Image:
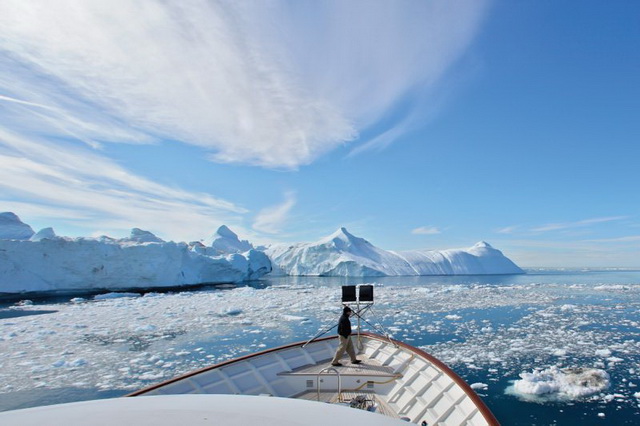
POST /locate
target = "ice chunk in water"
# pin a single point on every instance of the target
(603, 353)
(479, 386)
(566, 383)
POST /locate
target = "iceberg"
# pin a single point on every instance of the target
(44, 234)
(343, 254)
(45, 262)
(12, 228)
(225, 241)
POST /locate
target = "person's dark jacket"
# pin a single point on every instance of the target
(344, 326)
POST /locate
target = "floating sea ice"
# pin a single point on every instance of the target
(566, 383)
(603, 353)
(69, 364)
(77, 363)
(479, 385)
(568, 307)
(153, 294)
(611, 287)
(294, 318)
(143, 328)
(151, 376)
(107, 296)
(453, 317)
(610, 397)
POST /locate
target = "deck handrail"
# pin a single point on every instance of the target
(318, 380)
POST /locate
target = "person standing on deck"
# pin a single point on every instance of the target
(344, 334)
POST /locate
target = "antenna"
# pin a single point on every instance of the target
(358, 294)
(359, 298)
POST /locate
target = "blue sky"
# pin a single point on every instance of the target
(416, 125)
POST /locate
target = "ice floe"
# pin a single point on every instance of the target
(561, 383)
(479, 386)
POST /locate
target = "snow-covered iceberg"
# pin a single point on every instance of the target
(43, 261)
(343, 254)
(46, 262)
(12, 228)
(225, 241)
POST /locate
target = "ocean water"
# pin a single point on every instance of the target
(491, 330)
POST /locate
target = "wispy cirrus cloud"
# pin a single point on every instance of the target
(268, 83)
(274, 84)
(84, 189)
(625, 239)
(426, 230)
(508, 229)
(272, 219)
(577, 224)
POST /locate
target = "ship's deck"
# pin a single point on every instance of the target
(368, 367)
(379, 405)
(368, 371)
(394, 379)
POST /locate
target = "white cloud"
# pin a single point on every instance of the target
(577, 224)
(272, 219)
(426, 230)
(274, 84)
(83, 189)
(507, 229)
(268, 83)
(627, 239)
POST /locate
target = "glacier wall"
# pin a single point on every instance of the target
(45, 262)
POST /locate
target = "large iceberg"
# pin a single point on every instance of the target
(343, 254)
(46, 262)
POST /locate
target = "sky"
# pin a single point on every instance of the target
(414, 124)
